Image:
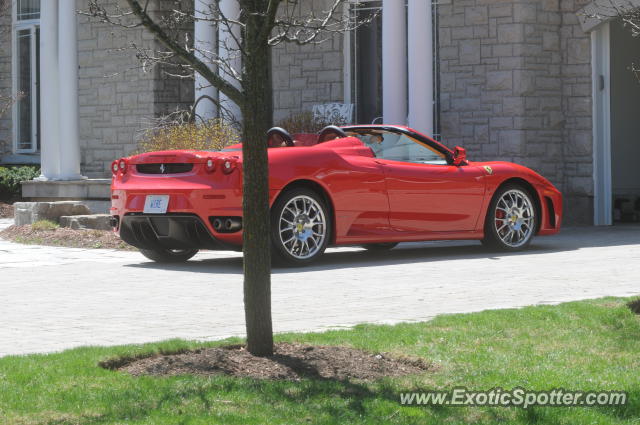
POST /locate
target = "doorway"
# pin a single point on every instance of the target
(625, 124)
(616, 124)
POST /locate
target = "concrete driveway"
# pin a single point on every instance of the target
(57, 298)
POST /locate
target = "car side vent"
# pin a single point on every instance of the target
(172, 168)
(552, 212)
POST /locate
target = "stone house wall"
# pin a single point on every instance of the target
(118, 98)
(115, 96)
(516, 85)
(577, 109)
(307, 75)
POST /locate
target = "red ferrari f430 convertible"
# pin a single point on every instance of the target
(373, 186)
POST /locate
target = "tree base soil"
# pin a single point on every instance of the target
(289, 362)
(71, 238)
(6, 210)
(634, 306)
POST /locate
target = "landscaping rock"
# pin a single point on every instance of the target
(93, 221)
(30, 212)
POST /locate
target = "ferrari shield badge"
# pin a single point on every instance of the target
(488, 169)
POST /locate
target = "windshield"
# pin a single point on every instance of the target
(398, 147)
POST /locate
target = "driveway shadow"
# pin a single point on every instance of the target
(423, 252)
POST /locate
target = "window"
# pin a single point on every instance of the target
(363, 63)
(366, 61)
(400, 147)
(27, 10)
(26, 76)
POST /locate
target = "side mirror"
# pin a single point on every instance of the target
(459, 156)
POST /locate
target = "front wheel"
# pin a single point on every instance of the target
(511, 220)
(300, 227)
(169, 255)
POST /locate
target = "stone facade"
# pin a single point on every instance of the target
(115, 96)
(307, 75)
(118, 98)
(516, 85)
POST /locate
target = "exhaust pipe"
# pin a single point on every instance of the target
(232, 225)
(217, 224)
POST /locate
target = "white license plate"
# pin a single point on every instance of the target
(156, 204)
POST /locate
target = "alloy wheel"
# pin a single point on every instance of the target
(514, 219)
(302, 227)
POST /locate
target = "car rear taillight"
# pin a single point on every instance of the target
(114, 167)
(122, 165)
(228, 165)
(210, 165)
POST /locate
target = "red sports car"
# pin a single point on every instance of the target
(367, 185)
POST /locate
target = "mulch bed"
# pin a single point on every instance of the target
(65, 237)
(6, 210)
(289, 362)
(634, 306)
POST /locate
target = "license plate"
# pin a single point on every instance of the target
(156, 204)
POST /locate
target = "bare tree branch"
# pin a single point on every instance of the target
(311, 28)
(628, 11)
(184, 54)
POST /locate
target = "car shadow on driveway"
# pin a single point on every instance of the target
(424, 252)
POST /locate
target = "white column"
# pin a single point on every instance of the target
(394, 62)
(206, 49)
(228, 38)
(68, 91)
(50, 151)
(420, 40)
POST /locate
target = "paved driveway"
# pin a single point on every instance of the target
(57, 298)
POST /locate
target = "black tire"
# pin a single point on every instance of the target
(379, 247)
(284, 253)
(524, 220)
(169, 255)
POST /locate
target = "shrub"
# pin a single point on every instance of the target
(210, 135)
(304, 122)
(45, 225)
(10, 179)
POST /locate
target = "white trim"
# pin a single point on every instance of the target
(348, 88)
(14, 76)
(34, 96)
(69, 129)
(394, 62)
(229, 52)
(16, 26)
(420, 65)
(601, 90)
(346, 52)
(205, 39)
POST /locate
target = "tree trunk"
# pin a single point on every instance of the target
(257, 112)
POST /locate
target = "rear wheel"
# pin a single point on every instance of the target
(300, 227)
(378, 247)
(169, 255)
(511, 220)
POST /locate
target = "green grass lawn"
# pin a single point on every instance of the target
(591, 345)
